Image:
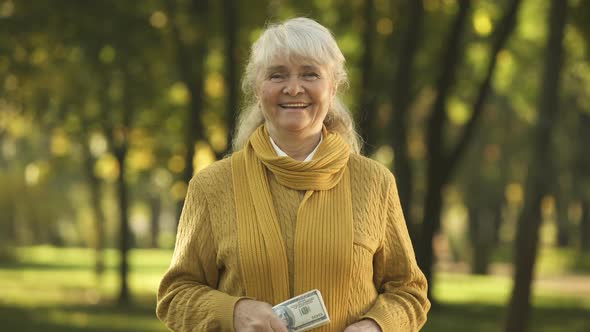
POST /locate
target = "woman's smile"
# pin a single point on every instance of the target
(295, 106)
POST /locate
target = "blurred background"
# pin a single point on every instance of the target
(480, 108)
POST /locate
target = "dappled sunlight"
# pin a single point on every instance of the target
(176, 164)
(141, 158)
(514, 193)
(103, 118)
(214, 85)
(178, 94)
(505, 71)
(60, 144)
(385, 26)
(458, 112)
(465, 288)
(107, 167)
(178, 190)
(204, 156)
(32, 174)
(482, 22)
(158, 19)
(107, 54)
(218, 137)
(385, 155)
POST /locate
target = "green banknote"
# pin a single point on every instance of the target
(303, 312)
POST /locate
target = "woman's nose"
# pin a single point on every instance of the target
(293, 87)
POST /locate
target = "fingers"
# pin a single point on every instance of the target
(277, 325)
(363, 325)
(251, 315)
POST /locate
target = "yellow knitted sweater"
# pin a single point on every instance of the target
(204, 281)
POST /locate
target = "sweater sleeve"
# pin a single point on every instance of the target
(402, 302)
(187, 296)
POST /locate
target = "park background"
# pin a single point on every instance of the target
(480, 108)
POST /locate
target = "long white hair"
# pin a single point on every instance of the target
(297, 38)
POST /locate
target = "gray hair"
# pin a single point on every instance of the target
(297, 38)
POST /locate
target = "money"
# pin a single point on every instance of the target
(303, 312)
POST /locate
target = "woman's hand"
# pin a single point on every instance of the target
(365, 325)
(251, 315)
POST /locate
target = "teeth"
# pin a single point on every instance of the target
(294, 105)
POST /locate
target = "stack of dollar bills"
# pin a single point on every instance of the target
(303, 312)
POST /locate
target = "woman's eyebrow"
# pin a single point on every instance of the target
(309, 67)
(276, 68)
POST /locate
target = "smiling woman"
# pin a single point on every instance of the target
(295, 208)
(297, 55)
(295, 99)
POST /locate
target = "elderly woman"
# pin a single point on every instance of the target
(295, 208)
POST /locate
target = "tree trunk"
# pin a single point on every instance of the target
(96, 208)
(401, 98)
(191, 66)
(561, 197)
(124, 233)
(435, 173)
(585, 227)
(481, 230)
(562, 220)
(430, 225)
(156, 209)
(230, 12)
(366, 115)
(498, 218)
(121, 149)
(583, 180)
(527, 236)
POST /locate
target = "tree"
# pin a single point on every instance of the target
(230, 8)
(527, 236)
(583, 178)
(366, 115)
(401, 97)
(190, 46)
(442, 164)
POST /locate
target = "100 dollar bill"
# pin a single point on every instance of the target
(303, 312)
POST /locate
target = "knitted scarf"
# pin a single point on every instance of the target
(323, 242)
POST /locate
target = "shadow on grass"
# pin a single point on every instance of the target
(17, 266)
(91, 318)
(466, 317)
(49, 257)
(114, 318)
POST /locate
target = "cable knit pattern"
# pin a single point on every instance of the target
(204, 281)
(287, 201)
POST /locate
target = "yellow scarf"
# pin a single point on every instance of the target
(324, 231)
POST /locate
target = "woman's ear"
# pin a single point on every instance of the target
(258, 89)
(334, 90)
(333, 86)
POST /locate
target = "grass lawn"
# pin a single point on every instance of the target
(50, 289)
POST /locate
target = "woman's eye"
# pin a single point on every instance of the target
(311, 76)
(277, 77)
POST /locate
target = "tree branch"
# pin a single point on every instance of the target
(501, 35)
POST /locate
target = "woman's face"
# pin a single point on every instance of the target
(295, 97)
